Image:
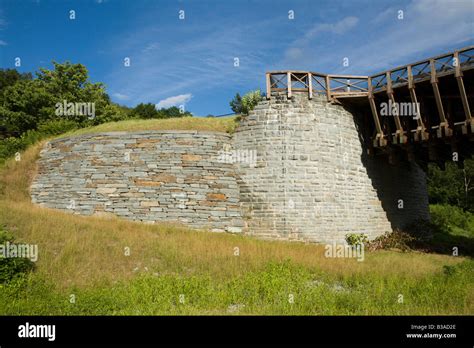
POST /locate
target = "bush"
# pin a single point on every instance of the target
(56, 127)
(447, 217)
(11, 268)
(356, 238)
(243, 105)
(10, 146)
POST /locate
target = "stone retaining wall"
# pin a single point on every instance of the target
(149, 176)
(295, 169)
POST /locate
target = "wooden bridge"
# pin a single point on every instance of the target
(437, 92)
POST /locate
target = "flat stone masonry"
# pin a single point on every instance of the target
(295, 169)
(175, 176)
(313, 180)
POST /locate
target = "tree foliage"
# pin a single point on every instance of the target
(149, 111)
(27, 103)
(243, 105)
(454, 186)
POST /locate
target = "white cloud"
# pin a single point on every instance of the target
(339, 27)
(428, 27)
(3, 43)
(183, 64)
(176, 100)
(294, 53)
(121, 96)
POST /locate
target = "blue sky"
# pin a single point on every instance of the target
(191, 61)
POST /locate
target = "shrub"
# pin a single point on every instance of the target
(356, 238)
(56, 127)
(243, 105)
(11, 268)
(446, 217)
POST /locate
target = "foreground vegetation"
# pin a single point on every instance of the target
(83, 268)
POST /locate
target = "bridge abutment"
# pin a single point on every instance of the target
(313, 179)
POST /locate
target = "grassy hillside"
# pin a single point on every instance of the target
(223, 124)
(174, 270)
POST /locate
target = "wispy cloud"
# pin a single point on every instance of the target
(176, 100)
(3, 43)
(188, 65)
(382, 40)
(339, 27)
(150, 47)
(301, 45)
(121, 96)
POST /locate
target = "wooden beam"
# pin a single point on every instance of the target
(288, 78)
(462, 92)
(310, 85)
(399, 133)
(379, 137)
(443, 126)
(421, 132)
(328, 88)
(269, 85)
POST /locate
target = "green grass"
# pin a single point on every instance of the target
(84, 257)
(266, 291)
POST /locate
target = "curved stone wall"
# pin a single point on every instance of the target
(295, 169)
(176, 176)
(313, 180)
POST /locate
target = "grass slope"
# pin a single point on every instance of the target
(222, 124)
(174, 270)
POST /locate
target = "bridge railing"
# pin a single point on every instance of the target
(332, 86)
(342, 86)
(424, 70)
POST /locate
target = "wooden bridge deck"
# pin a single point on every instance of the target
(440, 89)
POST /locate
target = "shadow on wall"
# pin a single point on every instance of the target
(401, 188)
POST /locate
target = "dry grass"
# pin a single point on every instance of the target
(80, 251)
(224, 124)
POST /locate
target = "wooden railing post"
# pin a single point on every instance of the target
(310, 85)
(288, 75)
(269, 85)
(328, 88)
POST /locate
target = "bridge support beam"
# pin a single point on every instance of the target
(444, 129)
(421, 133)
(379, 137)
(462, 91)
(399, 137)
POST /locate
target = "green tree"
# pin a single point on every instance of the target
(145, 111)
(28, 103)
(243, 105)
(8, 77)
(454, 186)
(236, 104)
(172, 112)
